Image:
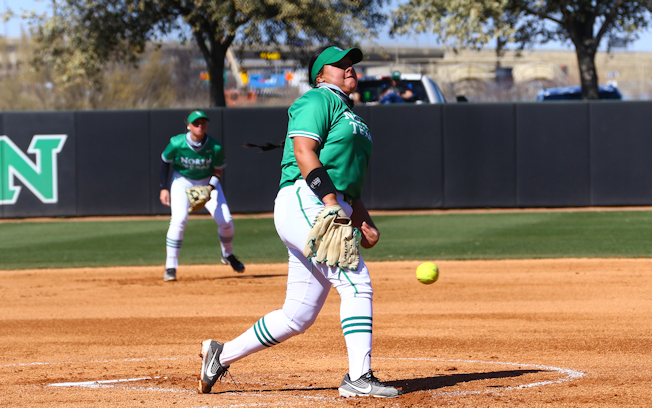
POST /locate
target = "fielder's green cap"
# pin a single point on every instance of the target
(332, 55)
(197, 115)
(396, 75)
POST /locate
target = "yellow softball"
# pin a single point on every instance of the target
(427, 273)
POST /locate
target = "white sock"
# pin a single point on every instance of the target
(356, 318)
(172, 249)
(270, 330)
(226, 240)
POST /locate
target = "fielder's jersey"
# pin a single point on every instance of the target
(344, 140)
(195, 164)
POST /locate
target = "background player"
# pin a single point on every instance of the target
(197, 159)
(330, 146)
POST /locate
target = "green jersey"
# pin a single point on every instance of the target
(195, 163)
(344, 140)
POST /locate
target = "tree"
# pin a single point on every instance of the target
(82, 36)
(472, 24)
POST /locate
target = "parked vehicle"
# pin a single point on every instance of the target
(575, 92)
(423, 88)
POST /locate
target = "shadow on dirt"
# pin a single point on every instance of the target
(412, 385)
(248, 277)
(433, 383)
(243, 277)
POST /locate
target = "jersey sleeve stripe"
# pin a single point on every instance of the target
(301, 133)
(165, 160)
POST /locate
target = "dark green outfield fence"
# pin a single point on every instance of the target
(509, 155)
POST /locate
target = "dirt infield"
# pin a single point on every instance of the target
(572, 332)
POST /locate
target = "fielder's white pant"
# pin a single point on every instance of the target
(308, 285)
(179, 204)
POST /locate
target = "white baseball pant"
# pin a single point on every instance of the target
(308, 285)
(179, 204)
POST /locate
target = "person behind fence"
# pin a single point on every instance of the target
(396, 92)
(198, 162)
(325, 158)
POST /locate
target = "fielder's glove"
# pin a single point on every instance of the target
(198, 196)
(333, 240)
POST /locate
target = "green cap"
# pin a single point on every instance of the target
(197, 115)
(332, 55)
(396, 75)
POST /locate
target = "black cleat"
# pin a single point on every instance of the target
(234, 262)
(170, 275)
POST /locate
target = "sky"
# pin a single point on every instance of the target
(12, 28)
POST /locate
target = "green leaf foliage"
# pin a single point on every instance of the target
(82, 36)
(473, 24)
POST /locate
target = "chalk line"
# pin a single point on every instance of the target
(568, 375)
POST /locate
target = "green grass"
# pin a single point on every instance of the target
(515, 235)
(405, 237)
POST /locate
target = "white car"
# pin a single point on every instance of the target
(423, 89)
